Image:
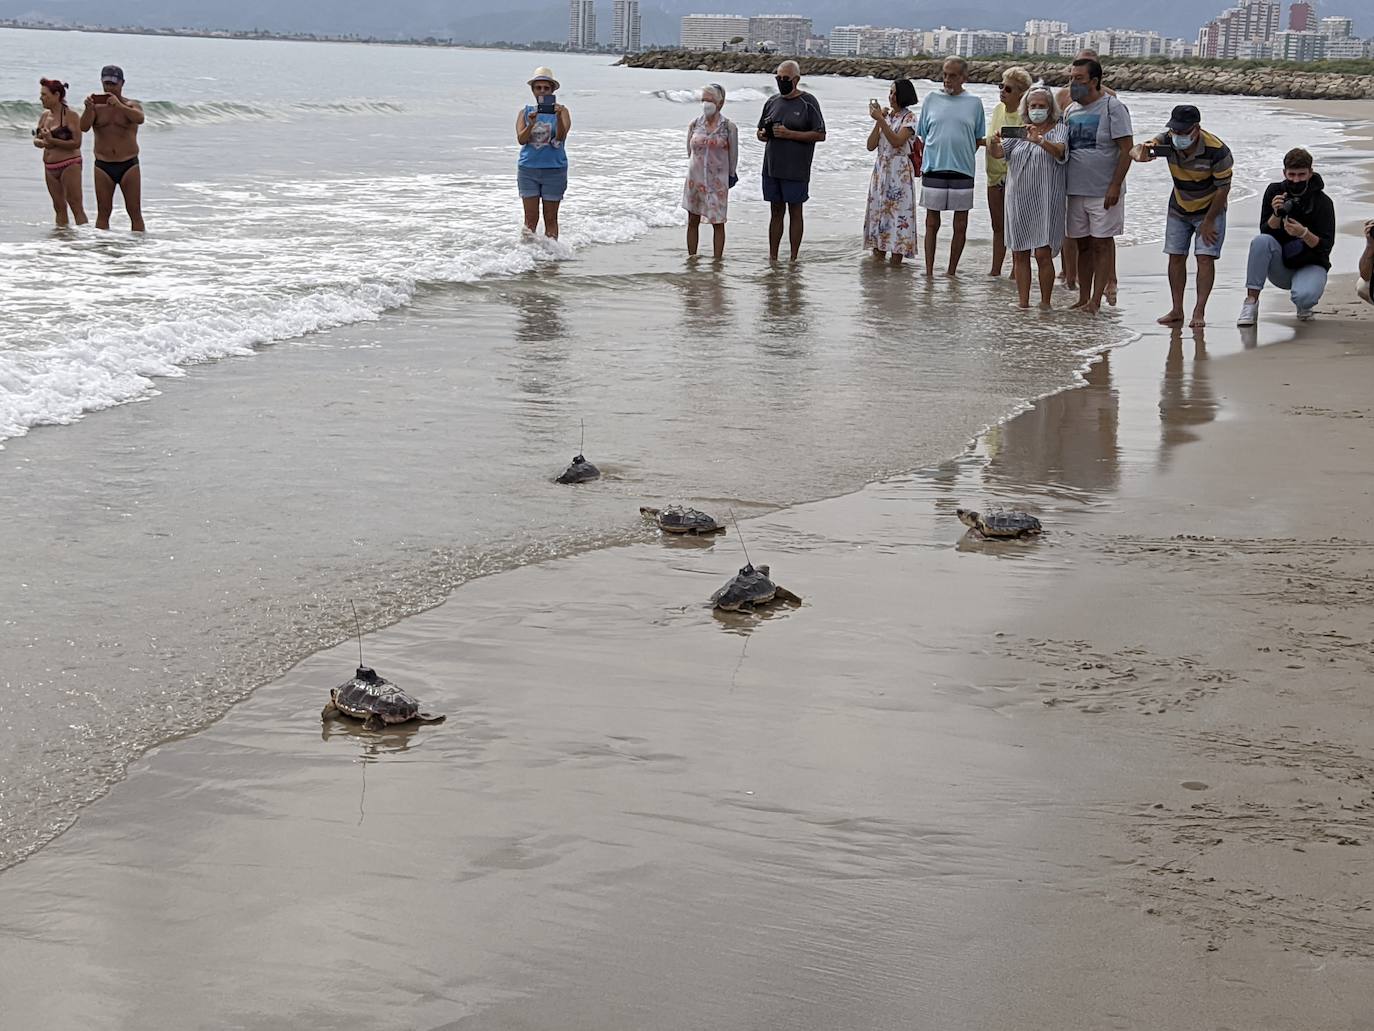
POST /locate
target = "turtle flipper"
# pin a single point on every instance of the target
(648, 511)
(330, 711)
(374, 722)
(429, 717)
(783, 594)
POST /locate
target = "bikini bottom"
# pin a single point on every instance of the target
(58, 167)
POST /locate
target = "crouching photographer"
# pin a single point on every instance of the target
(1293, 250)
(1366, 288)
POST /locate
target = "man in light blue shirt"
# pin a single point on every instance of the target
(953, 126)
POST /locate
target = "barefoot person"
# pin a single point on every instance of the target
(790, 127)
(1015, 82)
(1201, 168)
(115, 120)
(58, 136)
(953, 126)
(890, 216)
(1367, 264)
(713, 153)
(542, 130)
(1035, 191)
(1099, 157)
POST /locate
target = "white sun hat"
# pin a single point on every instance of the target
(545, 75)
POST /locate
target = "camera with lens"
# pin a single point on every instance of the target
(1289, 206)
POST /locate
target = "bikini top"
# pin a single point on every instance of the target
(63, 131)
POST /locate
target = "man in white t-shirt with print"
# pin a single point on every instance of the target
(1100, 141)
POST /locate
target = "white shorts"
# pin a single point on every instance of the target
(946, 191)
(1087, 217)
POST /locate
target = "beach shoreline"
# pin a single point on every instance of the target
(1025, 784)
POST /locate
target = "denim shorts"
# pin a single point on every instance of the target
(1179, 232)
(545, 183)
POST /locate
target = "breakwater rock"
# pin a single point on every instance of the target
(1292, 81)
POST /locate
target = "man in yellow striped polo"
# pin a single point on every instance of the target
(1201, 168)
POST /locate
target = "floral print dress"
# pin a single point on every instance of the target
(890, 224)
(714, 153)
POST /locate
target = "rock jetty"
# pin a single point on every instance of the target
(1294, 82)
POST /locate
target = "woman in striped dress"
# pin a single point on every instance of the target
(1035, 202)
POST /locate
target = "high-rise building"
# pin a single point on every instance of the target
(625, 24)
(1302, 17)
(1303, 45)
(1336, 28)
(788, 32)
(581, 24)
(1046, 27)
(1239, 29)
(712, 31)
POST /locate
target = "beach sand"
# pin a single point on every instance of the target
(1121, 776)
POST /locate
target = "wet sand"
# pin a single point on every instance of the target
(1117, 777)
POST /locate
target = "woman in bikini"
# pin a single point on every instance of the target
(59, 137)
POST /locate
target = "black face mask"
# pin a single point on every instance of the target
(785, 84)
(1298, 189)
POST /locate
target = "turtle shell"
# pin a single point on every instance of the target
(368, 694)
(1008, 524)
(676, 519)
(579, 471)
(750, 586)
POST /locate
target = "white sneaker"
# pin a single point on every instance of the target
(1306, 314)
(1249, 313)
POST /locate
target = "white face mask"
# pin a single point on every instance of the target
(1037, 114)
(708, 109)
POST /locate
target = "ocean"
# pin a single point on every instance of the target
(333, 370)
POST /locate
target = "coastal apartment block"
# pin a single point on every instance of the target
(582, 25)
(625, 27)
(783, 33)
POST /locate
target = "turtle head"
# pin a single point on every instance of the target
(967, 516)
(762, 569)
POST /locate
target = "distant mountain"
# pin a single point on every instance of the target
(525, 21)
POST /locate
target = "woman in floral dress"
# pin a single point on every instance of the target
(713, 147)
(890, 224)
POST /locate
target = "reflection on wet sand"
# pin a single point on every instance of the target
(706, 306)
(1068, 440)
(1185, 393)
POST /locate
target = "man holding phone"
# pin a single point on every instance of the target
(953, 126)
(1200, 165)
(115, 120)
(790, 127)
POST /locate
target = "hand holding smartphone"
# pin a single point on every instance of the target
(1012, 132)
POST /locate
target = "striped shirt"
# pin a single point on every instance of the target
(1198, 175)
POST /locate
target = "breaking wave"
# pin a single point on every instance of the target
(20, 116)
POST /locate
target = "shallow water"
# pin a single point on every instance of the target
(165, 558)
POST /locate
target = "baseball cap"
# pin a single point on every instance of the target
(1184, 117)
(112, 73)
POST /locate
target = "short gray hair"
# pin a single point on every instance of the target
(1018, 77)
(963, 65)
(715, 88)
(1040, 90)
(789, 63)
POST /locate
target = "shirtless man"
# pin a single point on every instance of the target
(116, 121)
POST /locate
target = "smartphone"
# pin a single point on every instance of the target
(547, 103)
(100, 98)
(1013, 132)
(1161, 150)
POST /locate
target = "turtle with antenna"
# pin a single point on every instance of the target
(373, 699)
(581, 470)
(751, 587)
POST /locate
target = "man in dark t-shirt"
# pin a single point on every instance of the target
(790, 127)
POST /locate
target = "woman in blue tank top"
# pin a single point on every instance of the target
(542, 129)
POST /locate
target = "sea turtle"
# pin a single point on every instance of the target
(374, 700)
(676, 519)
(580, 471)
(749, 589)
(999, 524)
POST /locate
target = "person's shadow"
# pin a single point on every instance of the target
(1186, 400)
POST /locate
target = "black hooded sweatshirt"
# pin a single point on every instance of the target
(1314, 210)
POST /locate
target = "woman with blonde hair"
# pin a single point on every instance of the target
(1015, 81)
(1037, 186)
